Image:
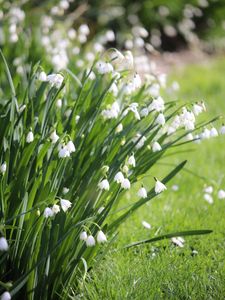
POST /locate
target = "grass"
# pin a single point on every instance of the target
(161, 270)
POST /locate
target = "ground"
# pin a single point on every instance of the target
(161, 270)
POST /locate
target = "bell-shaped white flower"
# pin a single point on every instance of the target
(221, 194)
(104, 67)
(213, 132)
(197, 109)
(208, 198)
(156, 147)
(131, 161)
(6, 296)
(55, 80)
(125, 184)
(222, 129)
(3, 168)
(65, 190)
(70, 146)
(160, 119)
(90, 241)
(48, 213)
(119, 177)
(159, 187)
(101, 238)
(205, 134)
(30, 137)
(42, 76)
(189, 137)
(142, 193)
(54, 137)
(83, 236)
(104, 185)
(144, 112)
(64, 152)
(3, 244)
(146, 225)
(119, 128)
(55, 209)
(59, 103)
(65, 204)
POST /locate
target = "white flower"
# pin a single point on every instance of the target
(104, 185)
(101, 238)
(141, 142)
(205, 134)
(6, 296)
(222, 129)
(42, 76)
(144, 112)
(54, 137)
(213, 132)
(156, 147)
(125, 184)
(3, 168)
(65, 190)
(83, 236)
(208, 189)
(64, 152)
(3, 244)
(84, 29)
(131, 161)
(178, 241)
(208, 198)
(77, 118)
(157, 104)
(197, 109)
(90, 241)
(119, 128)
(159, 187)
(55, 80)
(103, 67)
(48, 212)
(160, 119)
(30, 137)
(119, 178)
(55, 209)
(100, 210)
(65, 204)
(142, 193)
(189, 137)
(221, 194)
(70, 146)
(146, 224)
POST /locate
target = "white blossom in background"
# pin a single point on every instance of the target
(142, 193)
(159, 187)
(59, 103)
(221, 194)
(205, 134)
(104, 67)
(157, 104)
(112, 112)
(30, 137)
(156, 147)
(65, 190)
(103, 185)
(55, 80)
(6, 296)
(146, 225)
(144, 112)
(222, 129)
(3, 168)
(189, 137)
(48, 213)
(208, 198)
(3, 244)
(83, 236)
(54, 137)
(160, 119)
(175, 187)
(125, 184)
(65, 204)
(141, 140)
(101, 237)
(213, 132)
(208, 189)
(119, 178)
(197, 109)
(131, 161)
(90, 241)
(178, 241)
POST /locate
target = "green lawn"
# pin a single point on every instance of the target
(161, 270)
